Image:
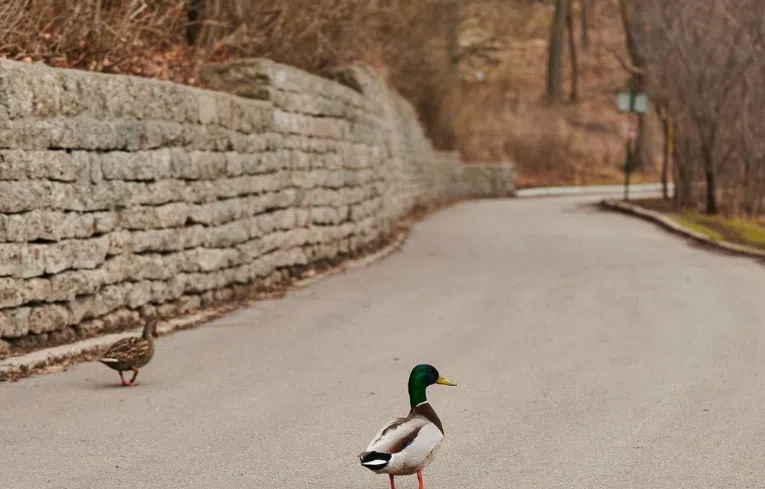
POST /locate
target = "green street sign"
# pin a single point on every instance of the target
(636, 103)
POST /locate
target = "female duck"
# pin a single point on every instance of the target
(407, 445)
(132, 353)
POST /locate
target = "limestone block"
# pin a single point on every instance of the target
(82, 308)
(138, 165)
(231, 234)
(208, 110)
(35, 260)
(14, 323)
(33, 194)
(188, 304)
(146, 266)
(48, 225)
(11, 294)
(285, 219)
(67, 285)
(221, 211)
(48, 317)
(13, 165)
(88, 253)
(211, 259)
(206, 138)
(153, 134)
(302, 217)
(251, 250)
(110, 298)
(234, 166)
(324, 215)
(139, 294)
(101, 196)
(155, 193)
(103, 222)
(164, 216)
(267, 223)
(52, 165)
(255, 163)
(200, 192)
(200, 165)
(10, 259)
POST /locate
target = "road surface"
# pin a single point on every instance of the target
(591, 350)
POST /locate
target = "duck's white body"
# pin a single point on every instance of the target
(411, 442)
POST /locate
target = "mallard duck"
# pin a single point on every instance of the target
(132, 353)
(407, 445)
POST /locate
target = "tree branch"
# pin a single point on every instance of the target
(628, 67)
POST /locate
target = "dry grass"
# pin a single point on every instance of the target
(504, 117)
(496, 119)
(99, 35)
(402, 39)
(748, 232)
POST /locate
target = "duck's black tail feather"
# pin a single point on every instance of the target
(375, 460)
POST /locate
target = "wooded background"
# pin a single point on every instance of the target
(533, 81)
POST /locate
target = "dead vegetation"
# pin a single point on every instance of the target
(705, 76)
(433, 51)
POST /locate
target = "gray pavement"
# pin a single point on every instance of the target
(591, 351)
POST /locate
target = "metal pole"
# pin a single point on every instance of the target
(627, 170)
(628, 162)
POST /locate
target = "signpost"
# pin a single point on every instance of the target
(631, 103)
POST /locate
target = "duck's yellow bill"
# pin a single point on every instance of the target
(444, 381)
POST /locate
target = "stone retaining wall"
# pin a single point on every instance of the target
(123, 197)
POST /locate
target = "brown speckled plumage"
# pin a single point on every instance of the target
(131, 354)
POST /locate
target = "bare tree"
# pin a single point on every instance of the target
(584, 21)
(697, 63)
(555, 51)
(574, 93)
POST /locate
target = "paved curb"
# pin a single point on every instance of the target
(42, 361)
(675, 227)
(589, 190)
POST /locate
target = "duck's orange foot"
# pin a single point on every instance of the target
(419, 479)
(135, 374)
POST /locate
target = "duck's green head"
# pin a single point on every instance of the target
(421, 378)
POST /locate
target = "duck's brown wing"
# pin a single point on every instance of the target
(127, 350)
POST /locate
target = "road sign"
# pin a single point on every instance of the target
(636, 103)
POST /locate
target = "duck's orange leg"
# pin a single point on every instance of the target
(122, 378)
(392, 484)
(135, 374)
(419, 479)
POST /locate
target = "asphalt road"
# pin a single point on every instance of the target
(591, 351)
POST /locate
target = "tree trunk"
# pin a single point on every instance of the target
(665, 157)
(555, 52)
(711, 181)
(195, 15)
(453, 45)
(574, 95)
(452, 33)
(681, 175)
(585, 22)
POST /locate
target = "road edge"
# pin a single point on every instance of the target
(676, 228)
(588, 190)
